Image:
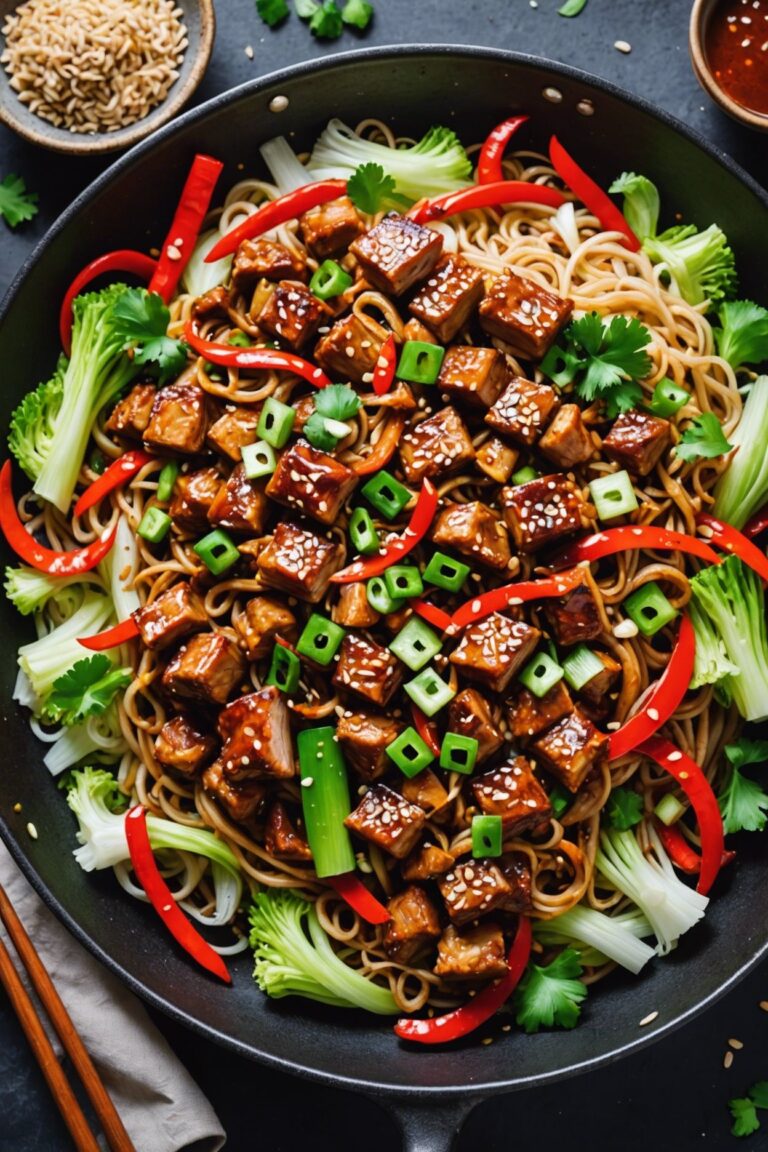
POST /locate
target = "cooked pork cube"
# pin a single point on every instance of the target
(299, 562)
(596, 690)
(513, 792)
(477, 953)
(262, 259)
(529, 715)
(425, 790)
(181, 746)
(257, 737)
(567, 440)
(637, 440)
(492, 650)
(174, 614)
(473, 889)
(330, 228)
(517, 869)
(396, 253)
(352, 609)
(129, 417)
(542, 511)
(280, 836)
(233, 430)
(448, 298)
(178, 421)
(522, 410)
(311, 481)
(349, 351)
(364, 739)
(193, 495)
(261, 621)
(413, 329)
(367, 669)
(570, 749)
(426, 863)
(291, 314)
(242, 801)
(476, 531)
(580, 614)
(473, 376)
(240, 505)
(436, 446)
(469, 715)
(207, 668)
(496, 459)
(524, 315)
(214, 302)
(413, 926)
(387, 820)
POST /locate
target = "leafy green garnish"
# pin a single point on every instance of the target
(743, 803)
(327, 23)
(16, 204)
(87, 689)
(337, 402)
(641, 202)
(744, 1113)
(605, 359)
(316, 432)
(743, 335)
(272, 12)
(357, 13)
(560, 800)
(305, 9)
(141, 319)
(369, 187)
(572, 8)
(550, 995)
(745, 752)
(624, 809)
(703, 439)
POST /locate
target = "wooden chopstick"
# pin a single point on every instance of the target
(117, 1137)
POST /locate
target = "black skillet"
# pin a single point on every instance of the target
(129, 206)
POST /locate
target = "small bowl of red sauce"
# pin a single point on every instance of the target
(729, 52)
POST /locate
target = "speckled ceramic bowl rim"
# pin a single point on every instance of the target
(700, 13)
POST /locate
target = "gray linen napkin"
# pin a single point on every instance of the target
(160, 1104)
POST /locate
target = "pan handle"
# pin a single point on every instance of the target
(430, 1127)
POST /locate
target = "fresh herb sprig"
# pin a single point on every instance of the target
(326, 19)
(141, 318)
(703, 439)
(334, 405)
(744, 1109)
(16, 204)
(550, 995)
(603, 359)
(87, 689)
(743, 802)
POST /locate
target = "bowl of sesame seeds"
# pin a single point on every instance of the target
(93, 76)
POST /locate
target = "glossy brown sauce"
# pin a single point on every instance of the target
(736, 45)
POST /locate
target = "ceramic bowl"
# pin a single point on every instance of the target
(701, 14)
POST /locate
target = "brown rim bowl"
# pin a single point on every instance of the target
(200, 21)
(700, 16)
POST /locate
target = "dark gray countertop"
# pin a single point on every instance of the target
(671, 1096)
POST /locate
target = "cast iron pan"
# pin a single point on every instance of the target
(129, 206)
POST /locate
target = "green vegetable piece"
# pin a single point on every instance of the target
(572, 8)
(419, 362)
(320, 640)
(369, 187)
(624, 809)
(580, 666)
(410, 753)
(641, 203)
(445, 572)
(387, 495)
(272, 12)
(403, 581)
(745, 752)
(284, 669)
(701, 264)
(240, 339)
(377, 595)
(357, 13)
(320, 435)
(524, 475)
(649, 608)
(329, 280)
(742, 488)
(743, 802)
(487, 836)
(560, 799)
(613, 495)
(325, 800)
(305, 9)
(141, 319)
(154, 525)
(668, 398)
(744, 1114)
(362, 533)
(758, 1094)
(258, 459)
(217, 551)
(541, 674)
(605, 358)
(326, 23)
(669, 809)
(550, 995)
(416, 644)
(97, 462)
(275, 423)
(429, 692)
(703, 439)
(743, 337)
(86, 689)
(16, 204)
(337, 402)
(458, 753)
(166, 481)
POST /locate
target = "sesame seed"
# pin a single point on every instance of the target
(308, 781)
(763, 1005)
(648, 1019)
(17, 807)
(736, 1044)
(623, 46)
(248, 51)
(32, 830)
(727, 1059)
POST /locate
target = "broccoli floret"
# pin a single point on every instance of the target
(30, 590)
(710, 663)
(33, 422)
(43, 661)
(743, 488)
(294, 957)
(743, 335)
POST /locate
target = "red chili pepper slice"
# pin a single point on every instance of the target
(111, 637)
(354, 892)
(680, 852)
(187, 222)
(630, 537)
(44, 559)
(489, 169)
(728, 538)
(276, 212)
(418, 525)
(271, 359)
(591, 194)
(486, 196)
(757, 525)
(160, 897)
(384, 448)
(119, 472)
(665, 698)
(122, 260)
(462, 1021)
(433, 615)
(499, 599)
(384, 371)
(427, 729)
(697, 788)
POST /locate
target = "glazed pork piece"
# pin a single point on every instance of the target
(396, 253)
(493, 650)
(312, 482)
(352, 609)
(596, 690)
(176, 613)
(256, 736)
(473, 376)
(193, 497)
(367, 669)
(265, 259)
(233, 430)
(264, 618)
(570, 749)
(281, 838)
(496, 459)
(179, 745)
(299, 562)
(446, 301)
(214, 302)
(178, 421)
(529, 715)
(474, 953)
(349, 351)
(523, 410)
(426, 863)
(129, 418)
(542, 511)
(525, 316)
(240, 505)
(473, 889)
(517, 870)
(207, 668)
(364, 738)
(469, 715)
(579, 615)
(476, 531)
(513, 792)
(425, 790)
(242, 801)
(387, 820)
(413, 926)
(567, 441)
(637, 441)
(436, 446)
(291, 314)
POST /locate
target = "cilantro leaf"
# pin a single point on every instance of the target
(16, 204)
(358, 13)
(624, 809)
(745, 752)
(745, 1120)
(305, 9)
(337, 402)
(605, 359)
(369, 187)
(272, 12)
(141, 318)
(703, 439)
(743, 337)
(316, 432)
(758, 1094)
(86, 689)
(550, 995)
(326, 23)
(743, 804)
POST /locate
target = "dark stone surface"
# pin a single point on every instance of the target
(671, 1096)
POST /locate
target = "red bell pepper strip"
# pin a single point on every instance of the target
(433, 615)
(664, 700)
(276, 212)
(270, 359)
(500, 599)
(427, 729)
(122, 260)
(489, 170)
(697, 788)
(187, 222)
(111, 637)
(160, 897)
(354, 892)
(630, 537)
(486, 196)
(591, 194)
(119, 472)
(384, 448)
(384, 370)
(418, 526)
(728, 538)
(680, 852)
(757, 524)
(462, 1021)
(44, 559)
